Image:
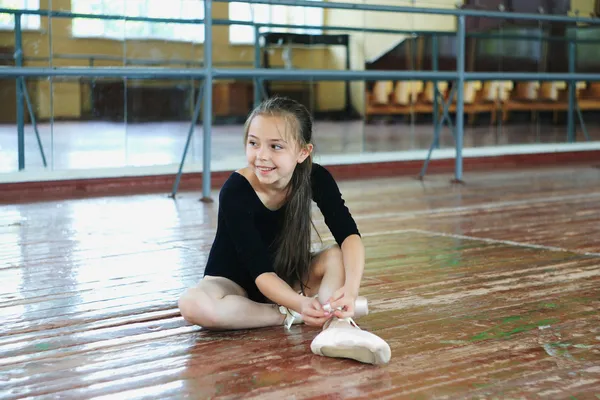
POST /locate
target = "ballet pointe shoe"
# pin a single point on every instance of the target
(291, 317)
(361, 307)
(342, 338)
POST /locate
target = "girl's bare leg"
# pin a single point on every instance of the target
(221, 304)
(326, 275)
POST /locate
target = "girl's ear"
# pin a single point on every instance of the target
(305, 152)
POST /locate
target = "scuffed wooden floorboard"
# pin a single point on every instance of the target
(491, 289)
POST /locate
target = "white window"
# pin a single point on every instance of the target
(28, 22)
(266, 13)
(121, 29)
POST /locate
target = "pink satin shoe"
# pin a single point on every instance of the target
(342, 338)
(361, 307)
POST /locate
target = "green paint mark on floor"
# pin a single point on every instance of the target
(499, 332)
(42, 346)
(512, 318)
(523, 328)
(481, 336)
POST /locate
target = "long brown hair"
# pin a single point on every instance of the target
(293, 252)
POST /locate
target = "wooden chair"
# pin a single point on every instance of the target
(522, 98)
(389, 98)
(381, 92)
(549, 91)
(407, 92)
(554, 96)
(428, 94)
(493, 94)
(589, 97)
(497, 91)
(477, 99)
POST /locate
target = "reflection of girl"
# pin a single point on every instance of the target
(260, 270)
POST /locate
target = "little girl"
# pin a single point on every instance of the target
(260, 270)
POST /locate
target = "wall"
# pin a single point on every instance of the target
(585, 7)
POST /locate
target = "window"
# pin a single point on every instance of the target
(266, 13)
(7, 21)
(121, 29)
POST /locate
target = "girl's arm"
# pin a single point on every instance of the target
(279, 292)
(338, 218)
(353, 256)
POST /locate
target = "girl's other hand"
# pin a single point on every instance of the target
(345, 300)
(312, 312)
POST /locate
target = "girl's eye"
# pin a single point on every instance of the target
(277, 147)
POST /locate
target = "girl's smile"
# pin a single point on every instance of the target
(265, 170)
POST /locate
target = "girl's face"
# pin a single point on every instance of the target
(272, 151)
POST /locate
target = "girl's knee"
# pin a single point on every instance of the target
(327, 260)
(335, 252)
(197, 308)
(334, 258)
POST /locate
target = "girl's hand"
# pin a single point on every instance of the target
(345, 299)
(312, 312)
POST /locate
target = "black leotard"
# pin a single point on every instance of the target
(246, 229)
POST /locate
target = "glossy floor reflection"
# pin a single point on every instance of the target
(94, 144)
(488, 290)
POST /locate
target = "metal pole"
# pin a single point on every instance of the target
(20, 85)
(572, 85)
(446, 114)
(436, 98)
(189, 138)
(436, 104)
(445, 117)
(33, 122)
(582, 122)
(257, 82)
(460, 83)
(292, 75)
(207, 115)
(348, 109)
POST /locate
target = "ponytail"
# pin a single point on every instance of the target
(293, 255)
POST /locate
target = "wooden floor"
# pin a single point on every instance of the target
(487, 290)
